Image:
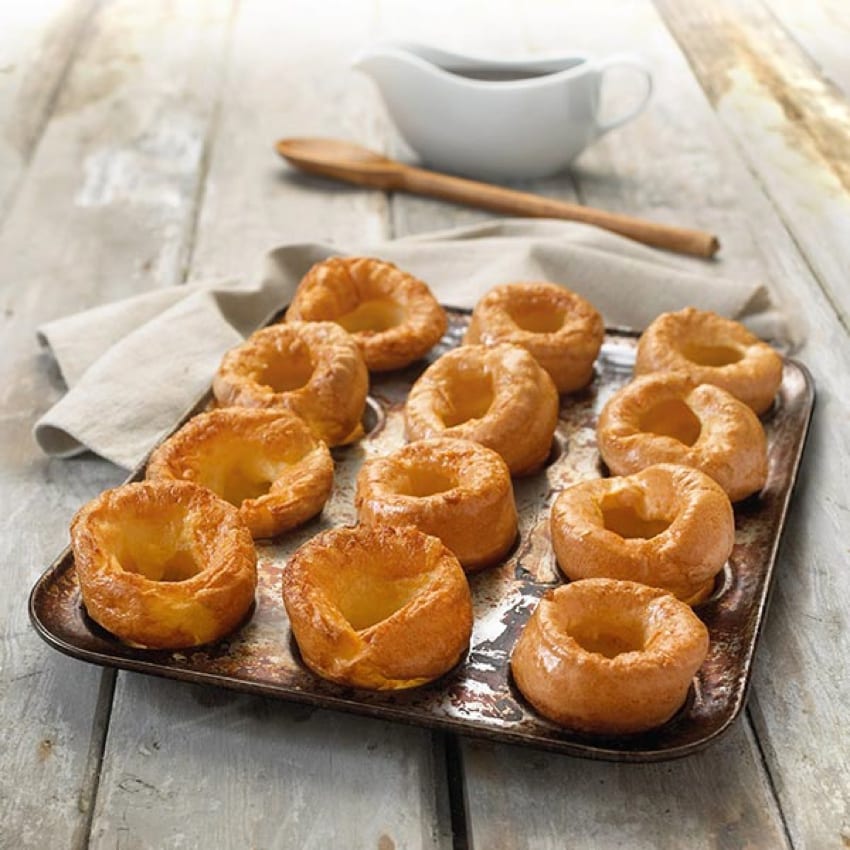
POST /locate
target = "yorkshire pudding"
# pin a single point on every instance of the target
(268, 463)
(392, 315)
(453, 489)
(497, 395)
(609, 657)
(313, 369)
(665, 417)
(164, 564)
(667, 526)
(561, 330)
(712, 350)
(379, 608)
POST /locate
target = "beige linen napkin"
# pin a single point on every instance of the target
(134, 367)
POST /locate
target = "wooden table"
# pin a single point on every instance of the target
(136, 152)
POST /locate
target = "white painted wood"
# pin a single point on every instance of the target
(199, 766)
(523, 800)
(675, 162)
(187, 766)
(822, 29)
(288, 75)
(792, 127)
(519, 799)
(99, 214)
(108, 206)
(37, 43)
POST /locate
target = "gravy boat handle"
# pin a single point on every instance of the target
(634, 63)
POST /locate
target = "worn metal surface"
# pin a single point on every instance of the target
(478, 697)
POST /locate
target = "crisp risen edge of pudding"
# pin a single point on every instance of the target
(667, 526)
(712, 350)
(666, 417)
(391, 314)
(559, 328)
(267, 463)
(497, 395)
(609, 657)
(378, 608)
(450, 488)
(164, 564)
(313, 369)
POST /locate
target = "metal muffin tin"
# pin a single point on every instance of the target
(478, 698)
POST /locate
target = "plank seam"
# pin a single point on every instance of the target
(94, 759)
(458, 799)
(190, 237)
(771, 782)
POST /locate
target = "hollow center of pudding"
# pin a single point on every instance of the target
(629, 523)
(239, 484)
(537, 319)
(711, 355)
(242, 467)
(422, 482)
(287, 372)
(469, 396)
(672, 418)
(155, 550)
(609, 639)
(375, 314)
(367, 600)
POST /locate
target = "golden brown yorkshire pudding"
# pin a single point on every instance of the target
(392, 315)
(609, 657)
(313, 369)
(268, 463)
(665, 417)
(497, 395)
(667, 526)
(164, 564)
(380, 608)
(712, 350)
(561, 330)
(456, 490)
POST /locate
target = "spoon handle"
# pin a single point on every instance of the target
(499, 199)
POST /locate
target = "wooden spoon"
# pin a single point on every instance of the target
(355, 164)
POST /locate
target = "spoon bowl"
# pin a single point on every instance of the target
(342, 160)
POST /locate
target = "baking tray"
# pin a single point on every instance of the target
(478, 698)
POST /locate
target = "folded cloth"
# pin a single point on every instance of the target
(134, 367)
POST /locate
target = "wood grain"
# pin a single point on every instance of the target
(822, 29)
(99, 213)
(148, 158)
(713, 184)
(792, 125)
(256, 773)
(38, 42)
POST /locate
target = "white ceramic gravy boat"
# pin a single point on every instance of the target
(495, 119)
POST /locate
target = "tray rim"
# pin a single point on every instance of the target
(387, 711)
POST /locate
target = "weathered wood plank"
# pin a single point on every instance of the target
(37, 43)
(100, 213)
(792, 126)
(522, 800)
(517, 798)
(256, 773)
(281, 83)
(202, 766)
(822, 29)
(676, 163)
